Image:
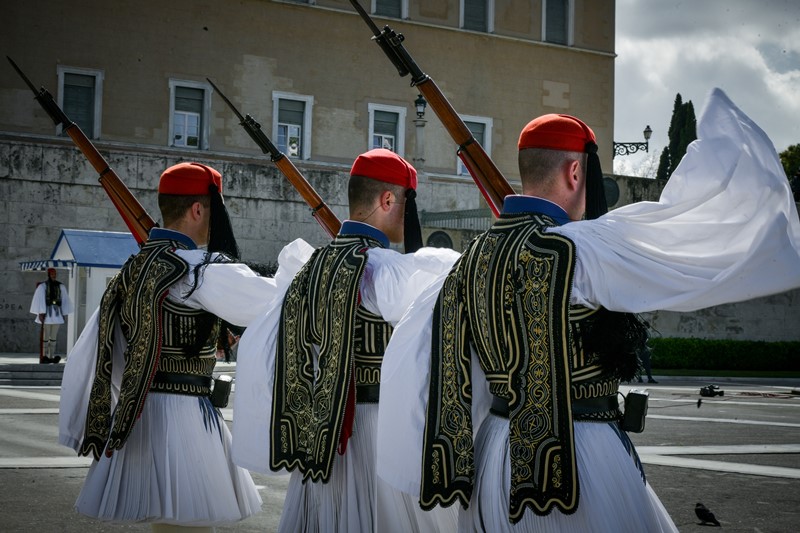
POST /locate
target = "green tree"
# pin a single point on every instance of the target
(790, 159)
(682, 131)
(663, 165)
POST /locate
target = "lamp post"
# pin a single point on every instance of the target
(632, 148)
(419, 161)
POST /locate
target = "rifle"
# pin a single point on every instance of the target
(133, 213)
(319, 209)
(491, 182)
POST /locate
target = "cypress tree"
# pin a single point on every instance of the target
(663, 165)
(682, 131)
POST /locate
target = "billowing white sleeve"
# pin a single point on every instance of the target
(252, 403)
(67, 308)
(38, 304)
(255, 370)
(405, 382)
(232, 291)
(725, 229)
(392, 280)
(77, 380)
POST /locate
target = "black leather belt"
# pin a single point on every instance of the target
(583, 407)
(593, 406)
(368, 393)
(172, 378)
(499, 406)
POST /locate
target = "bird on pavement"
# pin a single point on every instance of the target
(705, 515)
(699, 401)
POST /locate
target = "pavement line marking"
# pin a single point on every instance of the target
(690, 401)
(30, 395)
(719, 449)
(720, 466)
(45, 462)
(724, 420)
(30, 411)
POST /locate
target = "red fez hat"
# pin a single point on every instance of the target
(556, 132)
(51, 270)
(189, 179)
(384, 165)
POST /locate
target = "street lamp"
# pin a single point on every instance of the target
(421, 104)
(632, 148)
(419, 161)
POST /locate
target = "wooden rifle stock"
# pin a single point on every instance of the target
(133, 213)
(319, 209)
(491, 182)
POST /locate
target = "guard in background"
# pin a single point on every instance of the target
(50, 304)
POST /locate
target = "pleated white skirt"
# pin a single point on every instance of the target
(175, 468)
(613, 496)
(354, 500)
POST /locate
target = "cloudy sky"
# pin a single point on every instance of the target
(748, 48)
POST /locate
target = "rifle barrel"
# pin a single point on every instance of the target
(319, 209)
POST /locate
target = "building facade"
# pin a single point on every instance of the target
(134, 77)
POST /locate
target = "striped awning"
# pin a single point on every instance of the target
(44, 264)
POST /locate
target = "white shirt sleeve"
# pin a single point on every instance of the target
(78, 378)
(255, 369)
(393, 280)
(67, 307)
(232, 291)
(38, 304)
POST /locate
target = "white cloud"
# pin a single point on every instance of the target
(751, 50)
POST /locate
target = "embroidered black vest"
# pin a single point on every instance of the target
(508, 297)
(53, 293)
(321, 309)
(188, 350)
(159, 335)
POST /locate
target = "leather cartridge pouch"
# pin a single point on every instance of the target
(635, 410)
(221, 391)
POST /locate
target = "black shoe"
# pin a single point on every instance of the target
(640, 380)
(651, 380)
(55, 359)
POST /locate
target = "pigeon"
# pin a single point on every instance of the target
(705, 515)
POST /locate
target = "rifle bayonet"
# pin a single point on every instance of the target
(319, 209)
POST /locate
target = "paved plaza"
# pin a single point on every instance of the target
(739, 454)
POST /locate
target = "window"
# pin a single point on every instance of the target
(391, 8)
(384, 130)
(387, 128)
(190, 106)
(80, 95)
(291, 123)
(481, 129)
(477, 15)
(556, 19)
